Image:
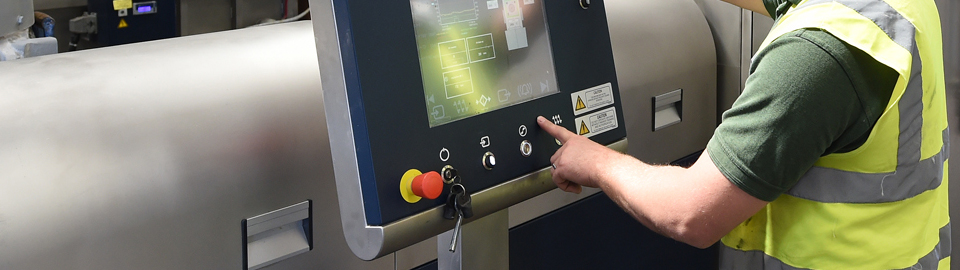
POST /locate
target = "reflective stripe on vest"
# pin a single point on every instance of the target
(883, 205)
(739, 259)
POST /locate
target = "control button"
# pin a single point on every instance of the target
(428, 185)
(489, 161)
(406, 186)
(585, 4)
(449, 174)
(557, 120)
(526, 148)
(523, 130)
(444, 155)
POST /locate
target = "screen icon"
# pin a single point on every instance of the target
(557, 120)
(503, 95)
(438, 112)
(483, 100)
(525, 89)
(485, 141)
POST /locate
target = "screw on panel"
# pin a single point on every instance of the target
(19, 20)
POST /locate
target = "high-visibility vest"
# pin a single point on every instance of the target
(883, 205)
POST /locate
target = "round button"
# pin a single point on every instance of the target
(526, 149)
(489, 161)
(428, 185)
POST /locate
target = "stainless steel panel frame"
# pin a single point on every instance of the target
(685, 61)
(370, 242)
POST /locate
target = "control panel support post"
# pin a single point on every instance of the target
(483, 244)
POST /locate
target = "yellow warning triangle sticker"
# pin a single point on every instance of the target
(123, 24)
(583, 128)
(580, 105)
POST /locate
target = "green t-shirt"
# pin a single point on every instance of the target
(809, 94)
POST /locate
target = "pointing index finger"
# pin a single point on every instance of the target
(556, 131)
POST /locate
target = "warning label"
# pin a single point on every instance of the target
(123, 24)
(122, 4)
(598, 122)
(592, 99)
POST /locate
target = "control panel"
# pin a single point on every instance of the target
(128, 21)
(422, 95)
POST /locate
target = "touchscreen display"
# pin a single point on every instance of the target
(478, 56)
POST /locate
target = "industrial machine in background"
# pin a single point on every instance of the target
(108, 22)
(20, 36)
(174, 154)
(128, 21)
(111, 22)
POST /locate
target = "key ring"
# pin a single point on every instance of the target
(454, 186)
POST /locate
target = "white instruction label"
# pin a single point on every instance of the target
(597, 123)
(592, 99)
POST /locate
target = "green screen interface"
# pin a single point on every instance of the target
(478, 56)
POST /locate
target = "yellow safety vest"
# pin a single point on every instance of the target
(883, 205)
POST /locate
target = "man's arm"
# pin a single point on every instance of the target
(753, 5)
(696, 206)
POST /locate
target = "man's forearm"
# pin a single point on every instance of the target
(695, 205)
(654, 195)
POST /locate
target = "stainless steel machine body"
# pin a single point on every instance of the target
(149, 156)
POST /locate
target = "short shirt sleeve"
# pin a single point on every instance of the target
(798, 101)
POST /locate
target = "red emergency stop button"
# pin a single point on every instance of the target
(428, 185)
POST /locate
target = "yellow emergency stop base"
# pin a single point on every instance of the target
(406, 186)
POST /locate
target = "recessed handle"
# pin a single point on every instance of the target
(277, 235)
(667, 109)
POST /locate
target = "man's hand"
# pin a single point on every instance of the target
(580, 161)
(696, 205)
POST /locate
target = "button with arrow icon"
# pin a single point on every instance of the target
(437, 112)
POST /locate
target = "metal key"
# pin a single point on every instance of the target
(459, 202)
(456, 231)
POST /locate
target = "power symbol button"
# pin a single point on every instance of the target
(444, 155)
